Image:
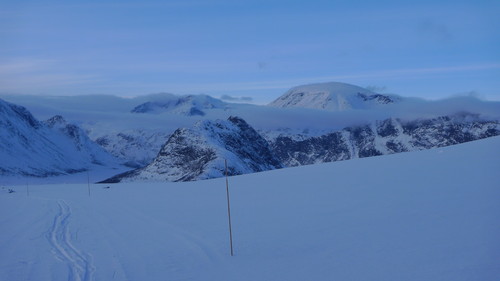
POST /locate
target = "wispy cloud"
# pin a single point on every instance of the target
(383, 74)
(376, 89)
(17, 66)
(236, 99)
(434, 29)
(28, 75)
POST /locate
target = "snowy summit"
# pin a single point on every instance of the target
(333, 96)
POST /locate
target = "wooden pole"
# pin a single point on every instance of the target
(229, 210)
(88, 182)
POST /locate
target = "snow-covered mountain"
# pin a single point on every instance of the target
(191, 105)
(33, 148)
(136, 148)
(200, 153)
(381, 138)
(80, 140)
(309, 124)
(333, 96)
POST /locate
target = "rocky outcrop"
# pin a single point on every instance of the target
(200, 153)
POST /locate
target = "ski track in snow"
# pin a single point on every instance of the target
(79, 263)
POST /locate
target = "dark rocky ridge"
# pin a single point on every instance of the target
(381, 138)
(199, 153)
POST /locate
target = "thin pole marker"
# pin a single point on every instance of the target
(88, 182)
(229, 211)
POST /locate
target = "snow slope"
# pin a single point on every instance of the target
(332, 96)
(426, 215)
(33, 148)
(135, 147)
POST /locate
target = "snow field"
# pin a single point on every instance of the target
(427, 215)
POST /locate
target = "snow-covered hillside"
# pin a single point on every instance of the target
(333, 96)
(33, 148)
(426, 215)
(136, 148)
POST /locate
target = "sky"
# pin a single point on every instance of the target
(251, 51)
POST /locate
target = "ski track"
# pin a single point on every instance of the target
(79, 263)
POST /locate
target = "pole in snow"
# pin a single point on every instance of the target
(229, 211)
(88, 182)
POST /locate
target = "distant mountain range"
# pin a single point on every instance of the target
(381, 138)
(185, 138)
(190, 105)
(199, 152)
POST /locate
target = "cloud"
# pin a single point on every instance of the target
(472, 94)
(435, 30)
(376, 89)
(17, 66)
(37, 75)
(236, 99)
(261, 65)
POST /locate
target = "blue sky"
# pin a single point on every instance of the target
(257, 49)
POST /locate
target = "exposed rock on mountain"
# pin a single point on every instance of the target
(199, 153)
(153, 144)
(332, 96)
(381, 138)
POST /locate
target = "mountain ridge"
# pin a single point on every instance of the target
(33, 148)
(201, 152)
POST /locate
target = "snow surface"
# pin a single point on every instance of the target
(427, 215)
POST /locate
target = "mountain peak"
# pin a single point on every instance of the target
(190, 105)
(332, 96)
(56, 121)
(10, 110)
